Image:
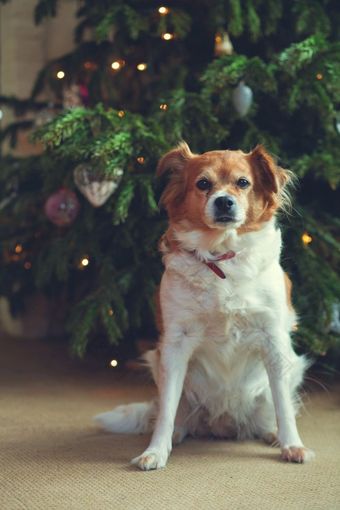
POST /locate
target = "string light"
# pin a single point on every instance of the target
(110, 312)
(113, 363)
(306, 238)
(84, 261)
(141, 160)
(142, 66)
(60, 75)
(163, 106)
(121, 114)
(18, 248)
(163, 10)
(117, 64)
(218, 38)
(319, 76)
(167, 36)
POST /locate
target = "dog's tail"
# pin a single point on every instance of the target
(135, 418)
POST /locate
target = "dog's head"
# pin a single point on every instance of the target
(222, 189)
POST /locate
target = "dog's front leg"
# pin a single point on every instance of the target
(280, 364)
(172, 370)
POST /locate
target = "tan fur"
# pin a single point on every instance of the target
(289, 286)
(159, 318)
(182, 199)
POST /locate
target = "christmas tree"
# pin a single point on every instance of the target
(80, 221)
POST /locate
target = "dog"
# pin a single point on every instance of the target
(225, 365)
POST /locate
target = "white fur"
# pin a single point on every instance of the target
(225, 365)
(128, 419)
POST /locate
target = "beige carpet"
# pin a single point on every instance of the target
(53, 457)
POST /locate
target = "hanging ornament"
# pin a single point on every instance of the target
(94, 184)
(45, 115)
(334, 326)
(337, 122)
(223, 44)
(242, 98)
(62, 207)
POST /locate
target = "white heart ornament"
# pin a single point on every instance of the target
(94, 185)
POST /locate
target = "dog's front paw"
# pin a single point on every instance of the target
(151, 459)
(298, 454)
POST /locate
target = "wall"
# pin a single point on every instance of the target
(25, 48)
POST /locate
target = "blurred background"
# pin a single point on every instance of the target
(92, 93)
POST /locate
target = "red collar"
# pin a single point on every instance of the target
(211, 262)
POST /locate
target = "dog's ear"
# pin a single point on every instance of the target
(270, 176)
(271, 180)
(174, 163)
(175, 160)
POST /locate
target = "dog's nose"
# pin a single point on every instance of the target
(224, 204)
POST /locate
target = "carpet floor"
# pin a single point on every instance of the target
(53, 457)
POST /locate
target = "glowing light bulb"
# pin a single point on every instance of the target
(163, 10)
(121, 114)
(117, 64)
(60, 75)
(167, 36)
(319, 76)
(110, 312)
(18, 248)
(113, 363)
(306, 238)
(84, 261)
(142, 66)
(163, 106)
(141, 160)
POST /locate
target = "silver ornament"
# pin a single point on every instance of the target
(337, 122)
(94, 184)
(242, 98)
(334, 326)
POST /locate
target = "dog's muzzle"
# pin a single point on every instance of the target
(225, 209)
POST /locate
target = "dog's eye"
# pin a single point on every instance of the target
(243, 183)
(203, 184)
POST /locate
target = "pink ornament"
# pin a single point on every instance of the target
(62, 207)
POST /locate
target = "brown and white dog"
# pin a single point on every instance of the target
(225, 365)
